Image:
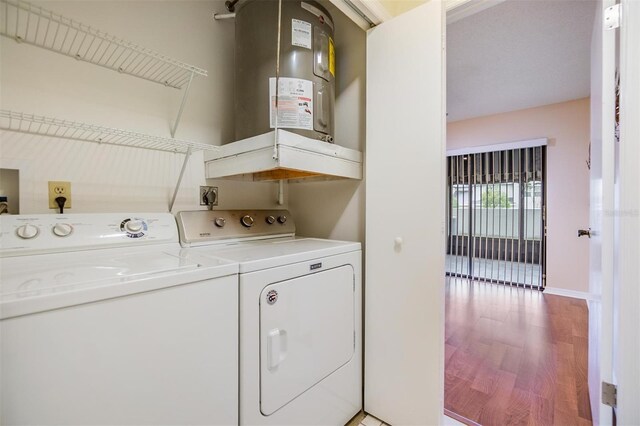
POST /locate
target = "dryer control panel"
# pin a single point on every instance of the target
(46, 233)
(210, 226)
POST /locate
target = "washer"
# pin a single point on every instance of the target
(106, 320)
(300, 315)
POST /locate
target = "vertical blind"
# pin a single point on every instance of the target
(496, 216)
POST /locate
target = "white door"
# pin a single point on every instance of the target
(404, 290)
(602, 202)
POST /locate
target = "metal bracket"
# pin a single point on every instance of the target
(609, 394)
(184, 167)
(173, 135)
(184, 101)
(612, 17)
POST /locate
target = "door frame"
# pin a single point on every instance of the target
(626, 289)
(601, 268)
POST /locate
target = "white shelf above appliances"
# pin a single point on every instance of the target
(283, 155)
(31, 24)
(66, 129)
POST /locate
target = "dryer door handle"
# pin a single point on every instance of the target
(276, 348)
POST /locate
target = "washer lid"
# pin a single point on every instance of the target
(36, 283)
(255, 256)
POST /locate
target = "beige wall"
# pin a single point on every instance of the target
(335, 209)
(567, 127)
(108, 178)
(397, 7)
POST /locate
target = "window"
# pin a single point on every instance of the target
(496, 216)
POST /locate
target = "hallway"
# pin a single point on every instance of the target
(515, 356)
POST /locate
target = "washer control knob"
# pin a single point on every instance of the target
(247, 221)
(62, 229)
(282, 219)
(220, 222)
(26, 232)
(270, 220)
(134, 226)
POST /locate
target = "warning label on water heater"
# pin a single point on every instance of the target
(292, 108)
(300, 33)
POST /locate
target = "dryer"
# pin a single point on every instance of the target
(300, 315)
(106, 320)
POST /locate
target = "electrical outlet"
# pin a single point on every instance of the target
(208, 195)
(59, 189)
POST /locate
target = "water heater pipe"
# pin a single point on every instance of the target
(281, 192)
(221, 16)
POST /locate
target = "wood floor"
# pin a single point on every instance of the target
(515, 356)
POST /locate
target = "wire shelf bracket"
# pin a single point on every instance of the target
(65, 129)
(34, 25)
(54, 127)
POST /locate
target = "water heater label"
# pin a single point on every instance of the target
(332, 57)
(300, 33)
(292, 108)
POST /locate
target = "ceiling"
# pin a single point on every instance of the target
(518, 54)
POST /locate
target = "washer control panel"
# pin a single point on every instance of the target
(29, 234)
(134, 227)
(205, 226)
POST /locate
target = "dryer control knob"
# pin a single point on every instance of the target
(282, 219)
(270, 220)
(62, 229)
(26, 232)
(220, 222)
(247, 221)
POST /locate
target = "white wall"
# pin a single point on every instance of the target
(567, 127)
(335, 209)
(107, 178)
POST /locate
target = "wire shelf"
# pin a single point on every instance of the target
(27, 23)
(54, 127)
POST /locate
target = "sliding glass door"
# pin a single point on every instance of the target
(496, 216)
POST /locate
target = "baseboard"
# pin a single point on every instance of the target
(570, 293)
(457, 418)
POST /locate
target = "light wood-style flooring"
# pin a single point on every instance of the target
(515, 356)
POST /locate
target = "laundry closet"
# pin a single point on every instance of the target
(160, 126)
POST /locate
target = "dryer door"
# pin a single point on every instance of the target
(307, 327)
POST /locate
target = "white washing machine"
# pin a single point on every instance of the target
(300, 315)
(106, 320)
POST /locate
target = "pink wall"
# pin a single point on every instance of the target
(566, 125)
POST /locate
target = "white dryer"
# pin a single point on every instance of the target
(300, 315)
(106, 320)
